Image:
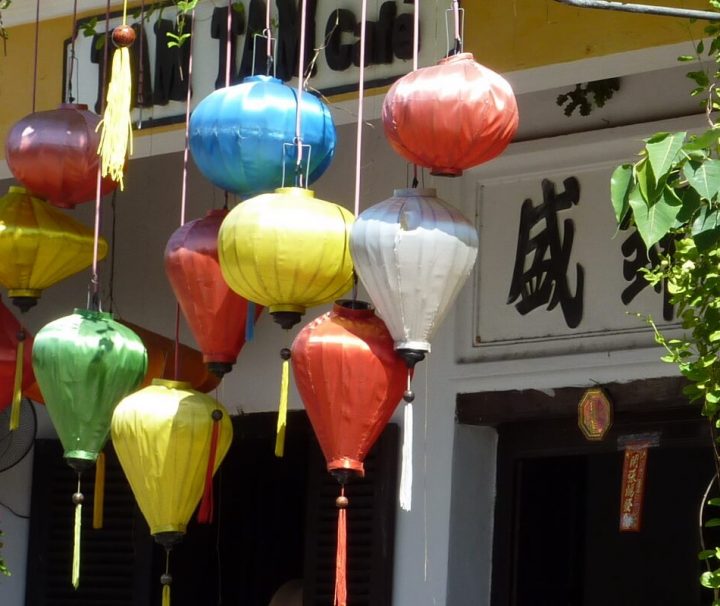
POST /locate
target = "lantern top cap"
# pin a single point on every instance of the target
(456, 58)
(296, 191)
(77, 106)
(262, 78)
(92, 314)
(172, 384)
(412, 192)
(352, 308)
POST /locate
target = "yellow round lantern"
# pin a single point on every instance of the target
(39, 245)
(163, 436)
(288, 251)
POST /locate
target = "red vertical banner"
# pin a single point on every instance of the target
(633, 487)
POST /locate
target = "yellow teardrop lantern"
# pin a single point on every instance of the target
(170, 441)
(288, 251)
(39, 246)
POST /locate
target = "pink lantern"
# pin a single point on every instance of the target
(450, 116)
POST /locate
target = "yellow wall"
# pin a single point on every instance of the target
(506, 35)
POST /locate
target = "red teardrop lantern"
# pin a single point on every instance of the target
(54, 154)
(350, 380)
(10, 329)
(217, 316)
(450, 116)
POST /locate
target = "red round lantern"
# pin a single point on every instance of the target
(54, 154)
(450, 116)
(216, 315)
(350, 380)
(10, 330)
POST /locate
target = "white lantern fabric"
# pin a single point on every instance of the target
(413, 253)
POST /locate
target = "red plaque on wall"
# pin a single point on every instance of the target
(633, 487)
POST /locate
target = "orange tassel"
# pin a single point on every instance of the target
(341, 556)
(205, 513)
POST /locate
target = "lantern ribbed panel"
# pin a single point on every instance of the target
(287, 250)
(162, 436)
(237, 135)
(85, 364)
(54, 154)
(413, 253)
(215, 314)
(450, 116)
(39, 244)
(350, 380)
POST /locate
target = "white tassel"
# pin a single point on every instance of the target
(407, 463)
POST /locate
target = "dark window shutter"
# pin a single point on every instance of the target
(112, 571)
(371, 528)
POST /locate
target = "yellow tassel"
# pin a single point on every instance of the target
(99, 500)
(76, 546)
(166, 595)
(17, 387)
(282, 410)
(116, 136)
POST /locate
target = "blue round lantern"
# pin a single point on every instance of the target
(242, 135)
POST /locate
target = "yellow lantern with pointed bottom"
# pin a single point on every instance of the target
(40, 246)
(288, 251)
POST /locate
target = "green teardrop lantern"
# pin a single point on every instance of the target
(85, 363)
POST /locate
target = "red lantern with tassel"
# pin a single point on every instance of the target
(15, 363)
(350, 380)
(54, 155)
(450, 116)
(217, 316)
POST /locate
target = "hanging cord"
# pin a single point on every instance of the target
(361, 92)
(73, 57)
(299, 181)
(458, 45)
(228, 45)
(111, 288)
(268, 33)
(183, 195)
(341, 554)
(416, 53)
(94, 288)
(35, 65)
(166, 579)
(77, 500)
(140, 95)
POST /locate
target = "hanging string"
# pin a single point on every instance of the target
(37, 42)
(94, 290)
(361, 92)
(456, 21)
(416, 53)
(299, 181)
(166, 579)
(140, 96)
(70, 97)
(183, 195)
(228, 46)
(268, 34)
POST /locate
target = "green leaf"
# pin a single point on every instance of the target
(702, 142)
(715, 501)
(710, 580)
(704, 177)
(712, 523)
(646, 182)
(662, 150)
(690, 205)
(705, 229)
(706, 554)
(621, 183)
(653, 222)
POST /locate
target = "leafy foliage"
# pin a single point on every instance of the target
(3, 567)
(584, 96)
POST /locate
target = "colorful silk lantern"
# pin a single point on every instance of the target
(350, 381)
(450, 116)
(170, 440)
(85, 363)
(16, 373)
(413, 253)
(161, 360)
(241, 137)
(216, 315)
(54, 155)
(39, 245)
(287, 251)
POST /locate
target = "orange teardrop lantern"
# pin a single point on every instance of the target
(217, 316)
(350, 380)
(450, 116)
(54, 155)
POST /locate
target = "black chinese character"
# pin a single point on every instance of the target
(545, 281)
(638, 257)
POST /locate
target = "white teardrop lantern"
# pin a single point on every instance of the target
(413, 253)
